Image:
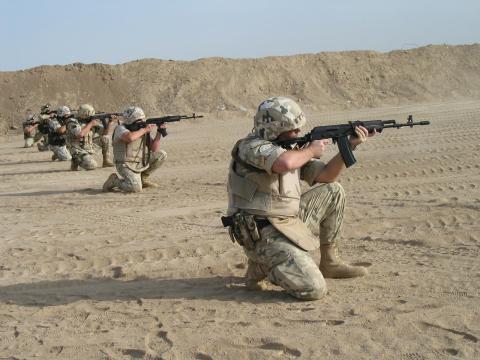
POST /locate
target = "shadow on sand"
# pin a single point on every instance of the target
(61, 292)
(26, 162)
(35, 172)
(86, 191)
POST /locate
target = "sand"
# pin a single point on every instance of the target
(92, 275)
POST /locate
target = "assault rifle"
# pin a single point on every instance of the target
(340, 133)
(103, 117)
(159, 121)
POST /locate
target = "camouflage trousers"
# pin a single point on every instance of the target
(28, 142)
(287, 265)
(60, 153)
(84, 159)
(103, 142)
(43, 144)
(132, 181)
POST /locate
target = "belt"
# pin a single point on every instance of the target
(261, 223)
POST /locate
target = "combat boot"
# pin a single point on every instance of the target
(147, 183)
(332, 267)
(73, 165)
(111, 182)
(254, 276)
(106, 161)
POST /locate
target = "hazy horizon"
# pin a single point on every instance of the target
(48, 32)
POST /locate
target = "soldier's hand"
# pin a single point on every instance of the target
(318, 147)
(150, 127)
(361, 135)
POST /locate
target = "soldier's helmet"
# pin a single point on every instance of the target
(63, 111)
(277, 115)
(85, 111)
(132, 114)
(31, 118)
(45, 109)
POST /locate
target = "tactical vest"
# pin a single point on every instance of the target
(274, 196)
(261, 193)
(127, 152)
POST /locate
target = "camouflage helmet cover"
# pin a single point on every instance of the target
(85, 111)
(45, 109)
(132, 114)
(277, 115)
(63, 111)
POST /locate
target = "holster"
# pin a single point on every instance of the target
(243, 229)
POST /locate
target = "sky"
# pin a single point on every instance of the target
(51, 32)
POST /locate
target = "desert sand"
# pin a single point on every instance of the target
(92, 275)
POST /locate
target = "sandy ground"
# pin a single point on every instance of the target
(92, 275)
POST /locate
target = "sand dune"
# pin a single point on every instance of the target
(320, 82)
(92, 275)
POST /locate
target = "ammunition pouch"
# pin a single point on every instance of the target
(244, 229)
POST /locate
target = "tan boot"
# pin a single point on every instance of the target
(254, 276)
(110, 183)
(332, 267)
(73, 165)
(147, 183)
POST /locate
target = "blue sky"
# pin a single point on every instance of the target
(38, 32)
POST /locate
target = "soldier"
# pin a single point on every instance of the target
(29, 130)
(102, 139)
(56, 134)
(273, 221)
(80, 139)
(41, 137)
(135, 152)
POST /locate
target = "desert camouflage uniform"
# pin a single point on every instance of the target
(57, 142)
(29, 136)
(131, 169)
(103, 141)
(82, 149)
(321, 208)
(41, 138)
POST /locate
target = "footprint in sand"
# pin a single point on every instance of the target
(157, 344)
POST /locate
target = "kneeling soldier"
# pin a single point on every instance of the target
(80, 133)
(136, 153)
(270, 217)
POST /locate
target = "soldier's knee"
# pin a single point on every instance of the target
(318, 292)
(337, 189)
(313, 290)
(136, 188)
(161, 155)
(64, 157)
(90, 164)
